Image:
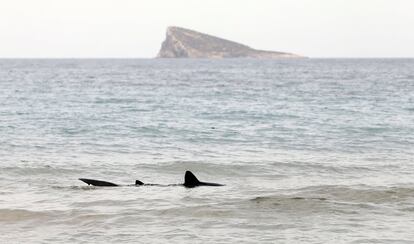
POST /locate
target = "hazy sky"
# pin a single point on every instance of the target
(135, 28)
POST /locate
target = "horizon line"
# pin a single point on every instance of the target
(321, 57)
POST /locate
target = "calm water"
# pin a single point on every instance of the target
(311, 151)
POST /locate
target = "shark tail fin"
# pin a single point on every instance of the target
(97, 182)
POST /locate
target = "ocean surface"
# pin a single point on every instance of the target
(310, 151)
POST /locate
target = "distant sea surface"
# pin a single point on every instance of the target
(310, 151)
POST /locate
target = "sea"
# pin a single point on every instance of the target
(309, 150)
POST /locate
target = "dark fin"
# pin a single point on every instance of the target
(191, 181)
(97, 182)
(138, 183)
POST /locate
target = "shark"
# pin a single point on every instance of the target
(190, 181)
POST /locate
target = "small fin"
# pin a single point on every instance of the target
(138, 183)
(97, 182)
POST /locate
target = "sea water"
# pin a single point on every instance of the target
(310, 150)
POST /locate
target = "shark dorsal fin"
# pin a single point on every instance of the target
(138, 183)
(190, 180)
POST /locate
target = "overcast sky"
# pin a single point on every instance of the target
(135, 28)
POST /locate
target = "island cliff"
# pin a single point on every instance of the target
(185, 43)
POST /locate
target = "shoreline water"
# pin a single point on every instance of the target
(309, 150)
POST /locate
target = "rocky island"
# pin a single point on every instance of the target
(185, 43)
